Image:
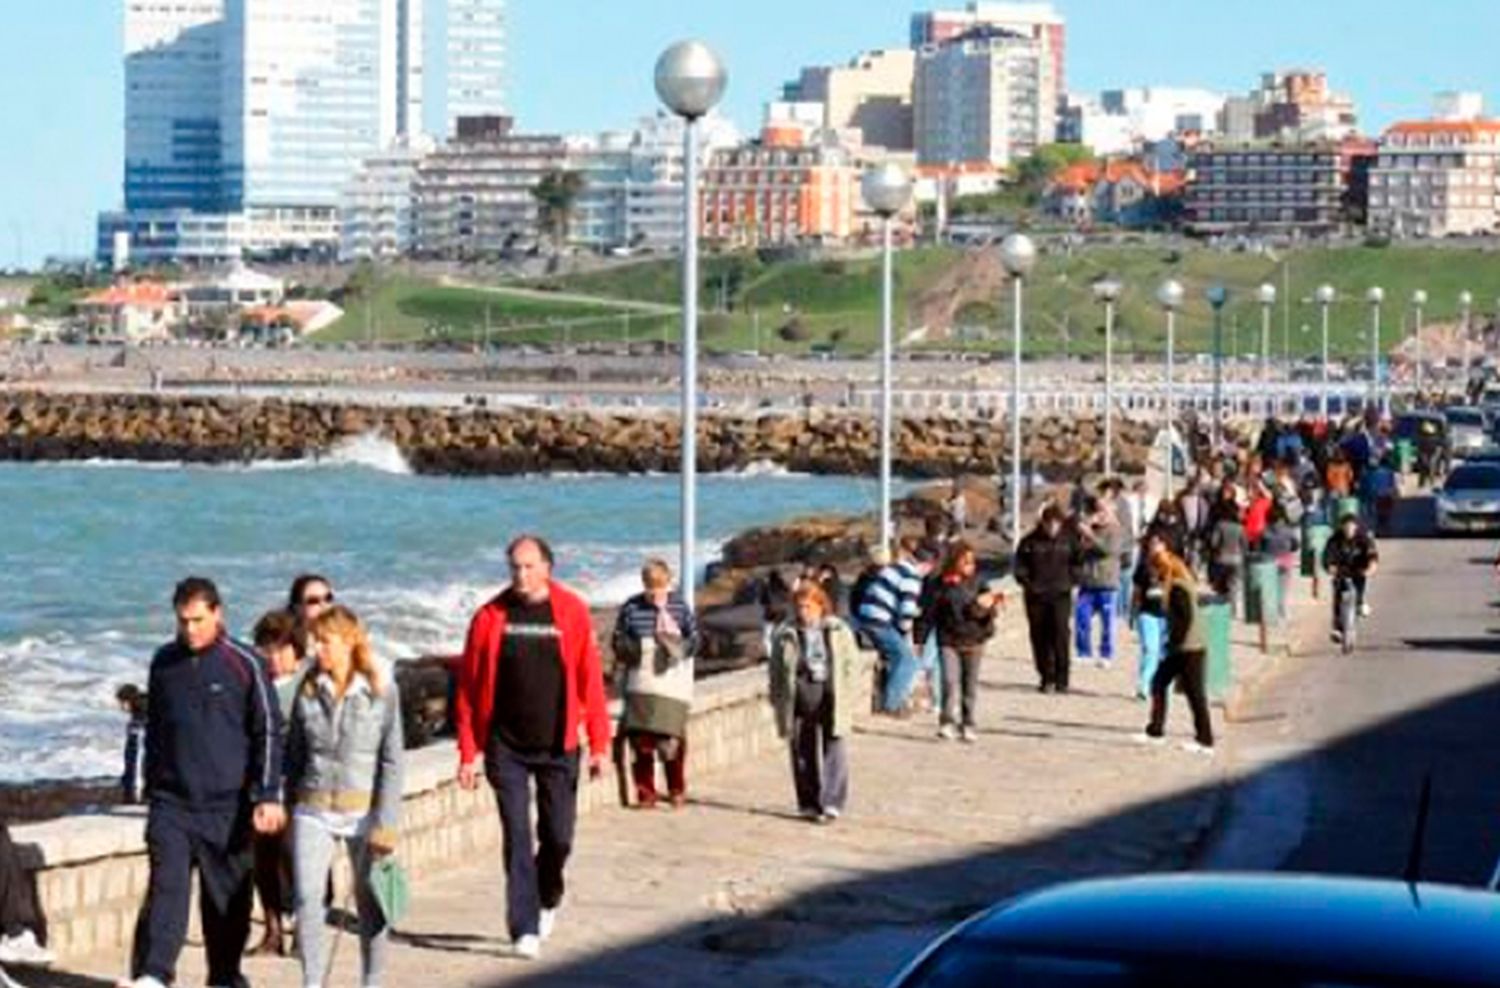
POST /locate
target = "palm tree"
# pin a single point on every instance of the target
(556, 196)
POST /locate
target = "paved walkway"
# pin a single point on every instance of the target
(736, 886)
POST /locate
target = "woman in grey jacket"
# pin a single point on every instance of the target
(344, 754)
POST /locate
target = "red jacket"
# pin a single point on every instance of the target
(474, 702)
(1257, 518)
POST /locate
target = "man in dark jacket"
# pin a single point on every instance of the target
(213, 770)
(1046, 567)
(1352, 553)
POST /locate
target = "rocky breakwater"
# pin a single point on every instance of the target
(57, 426)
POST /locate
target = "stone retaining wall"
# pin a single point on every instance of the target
(48, 426)
(91, 870)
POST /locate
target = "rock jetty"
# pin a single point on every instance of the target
(38, 426)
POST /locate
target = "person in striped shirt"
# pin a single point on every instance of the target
(886, 613)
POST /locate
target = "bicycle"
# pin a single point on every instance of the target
(1345, 611)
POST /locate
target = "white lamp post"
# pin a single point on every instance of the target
(1018, 254)
(690, 81)
(1325, 296)
(1218, 297)
(1266, 296)
(1108, 291)
(1466, 307)
(887, 190)
(1376, 297)
(1170, 295)
(1418, 303)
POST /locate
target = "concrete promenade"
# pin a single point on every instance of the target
(736, 887)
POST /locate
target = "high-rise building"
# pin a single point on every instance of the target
(377, 211)
(1038, 21)
(1275, 188)
(988, 96)
(1437, 177)
(872, 95)
(475, 62)
(173, 153)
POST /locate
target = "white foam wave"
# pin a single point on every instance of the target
(762, 470)
(369, 450)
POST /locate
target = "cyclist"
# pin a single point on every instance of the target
(1351, 554)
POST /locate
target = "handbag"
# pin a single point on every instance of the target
(391, 888)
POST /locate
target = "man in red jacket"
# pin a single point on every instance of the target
(530, 678)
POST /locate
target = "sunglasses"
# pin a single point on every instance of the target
(317, 601)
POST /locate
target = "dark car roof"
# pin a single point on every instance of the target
(1384, 931)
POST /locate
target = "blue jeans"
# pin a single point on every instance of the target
(1152, 629)
(1091, 601)
(930, 661)
(900, 664)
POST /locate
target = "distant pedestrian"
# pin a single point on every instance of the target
(814, 678)
(892, 602)
(279, 639)
(965, 620)
(132, 702)
(958, 510)
(775, 600)
(1169, 525)
(1149, 613)
(1046, 567)
(529, 682)
(344, 771)
(1228, 548)
(213, 773)
(309, 596)
(833, 585)
(1186, 654)
(655, 639)
(1101, 545)
(1282, 543)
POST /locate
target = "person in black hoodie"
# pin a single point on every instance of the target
(1046, 567)
(965, 620)
(1170, 527)
(213, 772)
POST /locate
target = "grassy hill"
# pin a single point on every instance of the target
(838, 301)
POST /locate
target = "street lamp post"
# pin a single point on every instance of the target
(690, 81)
(1170, 296)
(1266, 296)
(1325, 296)
(1376, 297)
(1108, 292)
(1018, 254)
(1418, 303)
(1218, 295)
(1466, 307)
(887, 190)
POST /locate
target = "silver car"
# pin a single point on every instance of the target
(1468, 430)
(1469, 499)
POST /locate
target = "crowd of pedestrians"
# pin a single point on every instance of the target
(258, 763)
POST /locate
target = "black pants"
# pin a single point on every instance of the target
(533, 865)
(217, 843)
(1047, 615)
(18, 905)
(1191, 668)
(273, 874)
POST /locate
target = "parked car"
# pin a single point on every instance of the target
(1222, 931)
(1468, 429)
(1469, 499)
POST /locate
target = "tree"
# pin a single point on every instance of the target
(556, 196)
(1034, 173)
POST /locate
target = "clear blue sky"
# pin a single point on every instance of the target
(583, 65)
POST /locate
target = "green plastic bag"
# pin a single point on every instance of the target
(391, 888)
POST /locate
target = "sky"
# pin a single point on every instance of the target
(585, 65)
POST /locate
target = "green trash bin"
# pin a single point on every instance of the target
(1214, 611)
(1314, 538)
(1406, 456)
(1262, 590)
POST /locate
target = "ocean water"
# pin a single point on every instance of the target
(92, 551)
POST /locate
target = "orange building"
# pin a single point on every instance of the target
(779, 191)
(133, 310)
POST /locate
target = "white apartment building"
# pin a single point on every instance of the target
(632, 194)
(377, 212)
(1434, 178)
(871, 95)
(476, 58)
(1038, 21)
(1119, 121)
(988, 96)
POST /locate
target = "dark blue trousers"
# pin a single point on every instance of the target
(217, 843)
(533, 864)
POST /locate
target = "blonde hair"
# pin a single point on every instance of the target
(1169, 568)
(340, 622)
(656, 573)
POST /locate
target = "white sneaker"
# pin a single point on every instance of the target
(968, 735)
(548, 923)
(528, 948)
(1195, 748)
(144, 981)
(1149, 740)
(1365, 610)
(23, 950)
(947, 733)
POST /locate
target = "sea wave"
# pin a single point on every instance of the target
(369, 451)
